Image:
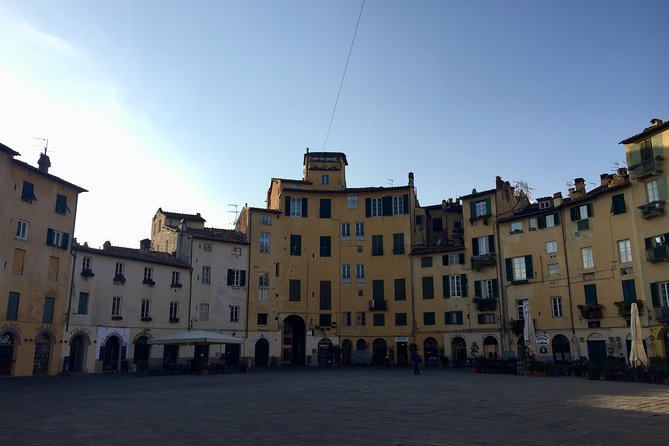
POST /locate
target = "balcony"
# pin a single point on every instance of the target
(645, 168)
(87, 272)
(625, 308)
(485, 304)
(662, 314)
(483, 260)
(378, 305)
(149, 282)
(652, 209)
(657, 253)
(119, 279)
(591, 311)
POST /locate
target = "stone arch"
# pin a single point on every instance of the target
(44, 342)
(9, 339)
(491, 347)
(79, 343)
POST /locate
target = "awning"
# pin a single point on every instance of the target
(193, 337)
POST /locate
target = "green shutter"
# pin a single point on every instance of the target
(444, 260)
(528, 267)
(575, 215)
(405, 203)
(65, 241)
(475, 246)
(230, 277)
(458, 317)
(368, 207)
(49, 237)
(556, 218)
(589, 208)
(491, 244)
(463, 283)
(495, 290)
(488, 206)
(655, 294)
(618, 204)
(447, 289)
(387, 204)
(461, 258)
(305, 206)
(509, 270)
(472, 209)
(477, 288)
(242, 278)
(287, 206)
(541, 221)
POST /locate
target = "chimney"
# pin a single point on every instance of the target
(411, 179)
(145, 245)
(655, 122)
(106, 245)
(557, 199)
(604, 179)
(44, 162)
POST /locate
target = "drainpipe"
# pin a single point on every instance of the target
(506, 346)
(190, 282)
(569, 295)
(74, 261)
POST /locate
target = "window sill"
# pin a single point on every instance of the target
(117, 318)
(176, 285)
(146, 319)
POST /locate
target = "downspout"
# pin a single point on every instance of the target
(190, 282)
(74, 262)
(506, 346)
(249, 219)
(566, 264)
(412, 218)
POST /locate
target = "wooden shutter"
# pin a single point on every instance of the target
(287, 206)
(444, 260)
(575, 214)
(231, 275)
(556, 219)
(495, 291)
(368, 207)
(541, 221)
(618, 204)
(629, 290)
(589, 209)
(405, 203)
(305, 207)
(65, 240)
(463, 284)
(528, 268)
(477, 288)
(387, 206)
(461, 258)
(488, 210)
(655, 294)
(242, 278)
(49, 237)
(472, 209)
(491, 243)
(509, 269)
(475, 246)
(447, 288)
(458, 317)
(17, 263)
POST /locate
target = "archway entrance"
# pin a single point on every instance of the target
(346, 348)
(293, 341)
(431, 352)
(379, 352)
(42, 354)
(170, 356)
(111, 354)
(459, 351)
(262, 353)
(325, 353)
(142, 353)
(561, 349)
(402, 354)
(666, 345)
(6, 353)
(490, 347)
(77, 353)
(596, 348)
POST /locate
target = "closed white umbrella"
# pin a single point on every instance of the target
(638, 355)
(528, 330)
(193, 337)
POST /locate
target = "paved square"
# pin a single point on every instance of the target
(331, 407)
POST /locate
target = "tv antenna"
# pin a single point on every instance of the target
(236, 212)
(390, 181)
(523, 186)
(44, 144)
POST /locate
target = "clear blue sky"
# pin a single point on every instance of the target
(192, 106)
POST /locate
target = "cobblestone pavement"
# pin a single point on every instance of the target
(331, 407)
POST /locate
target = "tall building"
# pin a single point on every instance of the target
(38, 211)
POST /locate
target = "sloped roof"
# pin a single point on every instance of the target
(219, 235)
(647, 132)
(142, 255)
(4, 148)
(180, 216)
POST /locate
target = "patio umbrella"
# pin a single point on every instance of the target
(193, 337)
(638, 355)
(528, 330)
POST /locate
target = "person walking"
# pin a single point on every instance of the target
(415, 358)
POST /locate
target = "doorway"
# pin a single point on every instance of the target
(561, 349)
(142, 353)
(42, 354)
(346, 348)
(262, 353)
(293, 340)
(431, 352)
(232, 354)
(379, 352)
(111, 353)
(325, 353)
(6, 353)
(402, 354)
(77, 353)
(459, 351)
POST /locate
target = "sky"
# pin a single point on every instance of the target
(195, 106)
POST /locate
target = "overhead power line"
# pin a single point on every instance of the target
(341, 84)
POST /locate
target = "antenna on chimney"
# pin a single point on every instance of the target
(236, 212)
(390, 181)
(45, 143)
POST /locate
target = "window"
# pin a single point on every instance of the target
(455, 286)
(486, 318)
(325, 295)
(399, 205)
(263, 286)
(346, 273)
(551, 220)
(398, 243)
(400, 319)
(176, 278)
(204, 312)
(47, 314)
(325, 180)
(546, 204)
(348, 319)
(556, 306)
(86, 264)
(57, 239)
(428, 287)
(426, 262)
(54, 266)
(61, 204)
(174, 311)
(28, 192)
(116, 306)
(377, 207)
(295, 245)
(519, 269)
(119, 270)
(346, 231)
(581, 212)
(532, 224)
(82, 308)
(148, 273)
(377, 245)
(17, 262)
(265, 219)
(590, 292)
(516, 227)
(437, 225)
(352, 201)
(295, 207)
(625, 251)
(483, 245)
(652, 191)
(480, 208)
(294, 290)
(551, 247)
(145, 312)
(520, 307)
(326, 247)
(586, 257)
(553, 270)
(264, 241)
(660, 294)
(234, 314)
(360, 273)
(236, 278)
(359, 231)
(22, 230)
(324, 320)
(618, 204)
(486, 289)
(206, 247)
(378, 289)
(206, 274)
(325, 208)
(360, 319)
(629, 291)
(13, 306)
(428, 318)
(379, 319)
(453, 259)
(400, 289)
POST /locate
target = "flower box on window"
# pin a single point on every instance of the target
(86, 273)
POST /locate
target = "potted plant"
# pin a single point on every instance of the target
(244, 364)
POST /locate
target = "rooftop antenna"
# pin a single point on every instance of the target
(236, 212)
(45, 143)
(521, 185)
(390, 181)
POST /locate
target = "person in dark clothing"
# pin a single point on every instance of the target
(415, 358)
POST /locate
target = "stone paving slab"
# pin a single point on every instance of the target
(354, 406)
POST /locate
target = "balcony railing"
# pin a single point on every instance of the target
(625, 307)
(662, 314)
(657, 253)
(645, 168)
(652, 209)
(485, 304)
(483, 260)
(591, 311)
(378, 305)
